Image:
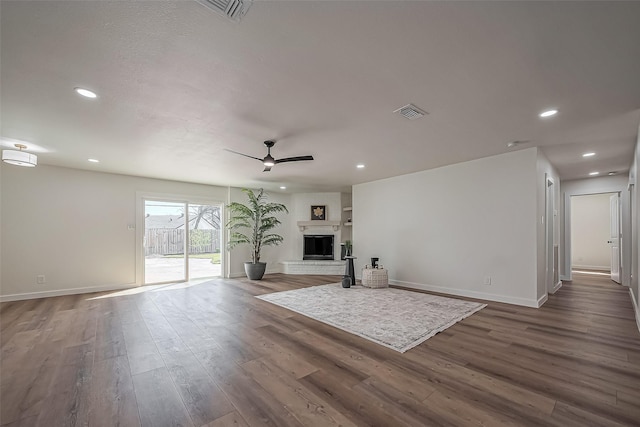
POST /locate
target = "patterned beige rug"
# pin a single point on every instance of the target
(393, 318)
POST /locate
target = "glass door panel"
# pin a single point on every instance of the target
(164, 241)
(204, 241)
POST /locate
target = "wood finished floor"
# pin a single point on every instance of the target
(212, 355)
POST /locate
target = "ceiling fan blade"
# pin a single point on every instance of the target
(246, 155)
(267, 169)
(294, 159)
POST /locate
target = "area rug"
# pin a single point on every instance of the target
(390, 317)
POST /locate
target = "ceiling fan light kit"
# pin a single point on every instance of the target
(269, 161)
(19, 157)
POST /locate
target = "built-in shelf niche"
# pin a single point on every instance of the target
(346, 217)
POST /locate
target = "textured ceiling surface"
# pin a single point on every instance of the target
(178, 84)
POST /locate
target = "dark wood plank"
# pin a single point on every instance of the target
(111, 394)
(202, 397)
(308, 408)
(233, 419)
(158, 400)
(256, 405)
(109, 338)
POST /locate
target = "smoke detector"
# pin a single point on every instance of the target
(232, 9)
(411, 112)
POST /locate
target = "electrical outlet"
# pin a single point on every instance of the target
(487, 280)
(40, 279)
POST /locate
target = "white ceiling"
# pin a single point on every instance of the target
(178, 84)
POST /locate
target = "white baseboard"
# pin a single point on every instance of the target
(636, 308)
(556, 287)
(61, 292)
(565, 278)
(542, 300)
(591, 267)
(472, 294)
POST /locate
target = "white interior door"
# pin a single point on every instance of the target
(614, 239)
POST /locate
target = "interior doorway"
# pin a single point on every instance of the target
(595, 234)
(181, 241)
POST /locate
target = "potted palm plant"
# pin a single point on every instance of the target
(252, 224)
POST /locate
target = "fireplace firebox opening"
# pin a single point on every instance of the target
(318, 247)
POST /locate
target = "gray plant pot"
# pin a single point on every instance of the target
(255, 271)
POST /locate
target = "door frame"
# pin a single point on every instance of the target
(618, 224)
(625, 245)
(141, 196)
(550, 215)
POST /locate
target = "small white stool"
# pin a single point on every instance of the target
(375, 278)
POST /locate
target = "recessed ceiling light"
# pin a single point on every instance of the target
(589, 154)
(94, 160)
(612, 173)
(360, 166)
(85, 92)
(548, 113)
(283, 187)
(594, 173)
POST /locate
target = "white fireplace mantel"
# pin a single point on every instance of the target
(305, 224)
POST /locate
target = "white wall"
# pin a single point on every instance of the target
(605, 184)
(590, 231)
(301, 204)
(72, 226)
(446, 229)
(272, 255)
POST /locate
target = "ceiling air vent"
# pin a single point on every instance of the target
(232, 9)
(410, 112)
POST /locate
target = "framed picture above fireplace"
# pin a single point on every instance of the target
(318, 212)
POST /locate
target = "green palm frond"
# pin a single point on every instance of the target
(257, 217)
(271, 239)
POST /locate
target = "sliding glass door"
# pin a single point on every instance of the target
(204, 241)
(182, 241)
(164, 240)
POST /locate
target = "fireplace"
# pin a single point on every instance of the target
(318, 246)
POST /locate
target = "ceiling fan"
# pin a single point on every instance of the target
(269, 161)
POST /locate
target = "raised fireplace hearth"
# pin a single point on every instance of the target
(335, 268)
